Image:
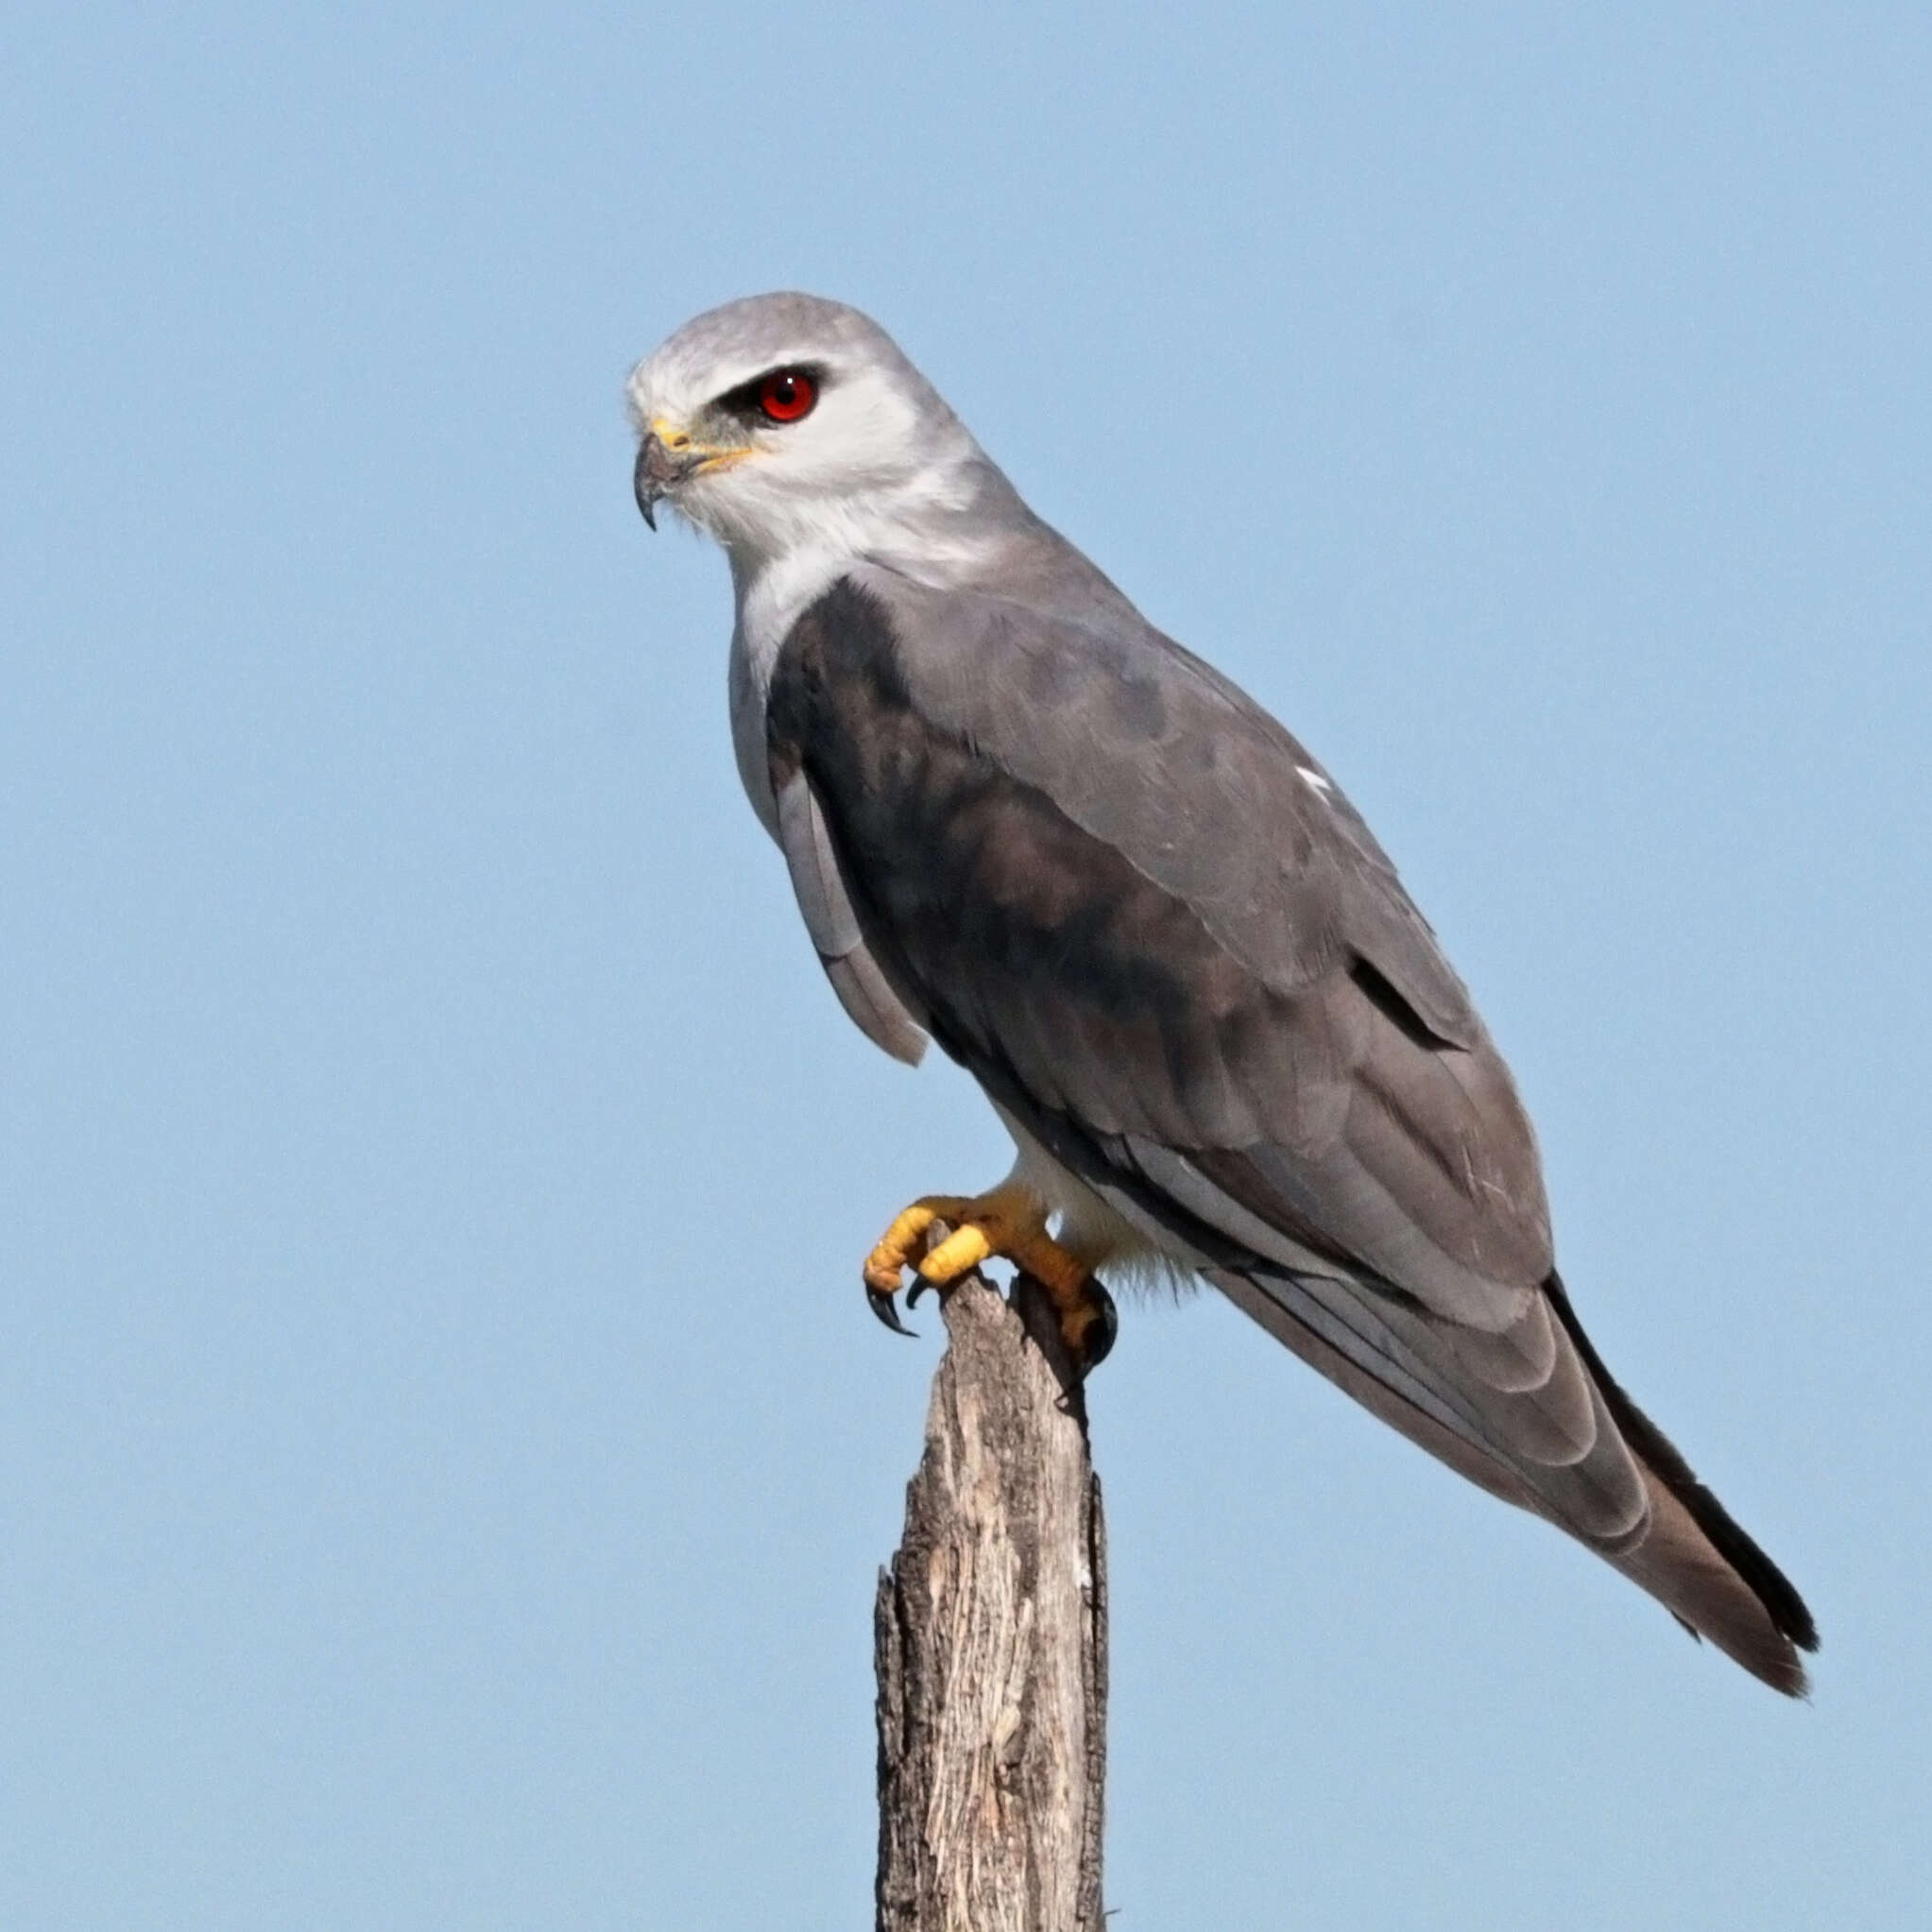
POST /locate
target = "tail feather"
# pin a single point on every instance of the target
(1696, 1559)
(1678, 1564)
(1654, 1522)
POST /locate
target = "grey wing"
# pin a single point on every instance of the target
(879, 1011)
(1151, 927)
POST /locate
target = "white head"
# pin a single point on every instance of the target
(784, 422)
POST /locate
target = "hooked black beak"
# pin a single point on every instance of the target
(659, 469)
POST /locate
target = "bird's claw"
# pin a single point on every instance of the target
(1089, 1326)
(882, 1303)
(915, 1235)
(943, 1237)
(883, 1307)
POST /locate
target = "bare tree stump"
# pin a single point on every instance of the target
(990, 1642)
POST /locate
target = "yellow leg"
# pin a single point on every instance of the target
(1007, 1224)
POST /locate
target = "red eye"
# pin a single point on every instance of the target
(785, 395)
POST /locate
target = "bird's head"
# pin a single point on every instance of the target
(784, 419)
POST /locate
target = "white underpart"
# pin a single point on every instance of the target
(1090, 1227)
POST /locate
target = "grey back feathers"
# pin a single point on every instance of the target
(1159, 934)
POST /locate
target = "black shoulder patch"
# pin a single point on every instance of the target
(844, 638)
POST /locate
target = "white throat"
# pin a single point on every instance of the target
(917, 532)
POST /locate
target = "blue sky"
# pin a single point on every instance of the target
(444, 1459)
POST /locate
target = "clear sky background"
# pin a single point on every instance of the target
(444, 1457)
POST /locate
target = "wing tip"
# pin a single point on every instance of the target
(1762, 1650)
(1729, 1590)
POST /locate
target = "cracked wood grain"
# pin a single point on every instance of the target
(990, 1642)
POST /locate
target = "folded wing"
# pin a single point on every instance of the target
(1156, 933)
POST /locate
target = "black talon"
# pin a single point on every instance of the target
(886, 1310)
(920, 1286)
(1102, 1333)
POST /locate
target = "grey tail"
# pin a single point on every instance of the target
(1706, 1570)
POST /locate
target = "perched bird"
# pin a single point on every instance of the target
(1022, 821)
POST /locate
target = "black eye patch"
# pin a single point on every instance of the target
(786, 394)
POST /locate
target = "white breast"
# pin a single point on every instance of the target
(771, 597)
(774, 591)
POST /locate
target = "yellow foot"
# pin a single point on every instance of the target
(1007, 1224)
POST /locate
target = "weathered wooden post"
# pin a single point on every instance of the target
(990, 1636)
